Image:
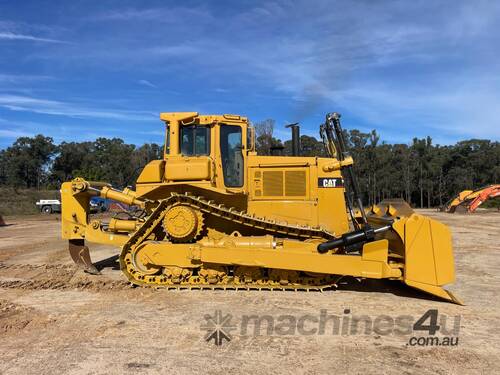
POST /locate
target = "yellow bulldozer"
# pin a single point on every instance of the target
(213, 214)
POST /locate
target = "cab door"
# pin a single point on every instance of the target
(232, 155)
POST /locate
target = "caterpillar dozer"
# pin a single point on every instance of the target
(213, 214)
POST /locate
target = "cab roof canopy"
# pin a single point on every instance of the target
(187, 118)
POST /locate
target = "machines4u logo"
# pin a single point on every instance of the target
(218, 327)
(326, 182)
(430, 329)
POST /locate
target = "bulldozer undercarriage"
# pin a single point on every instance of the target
(180, 219)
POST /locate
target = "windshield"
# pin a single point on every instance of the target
(195, 140)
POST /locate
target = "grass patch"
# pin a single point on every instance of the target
(22, 201)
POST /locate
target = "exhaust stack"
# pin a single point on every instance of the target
(295, 138)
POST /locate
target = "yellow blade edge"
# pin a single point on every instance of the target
(435, 291)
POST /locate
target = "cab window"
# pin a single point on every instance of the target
(232, 155)
(167, 140)
(195, 140)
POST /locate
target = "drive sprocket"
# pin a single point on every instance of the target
(183, 223)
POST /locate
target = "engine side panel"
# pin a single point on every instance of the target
(297, 190)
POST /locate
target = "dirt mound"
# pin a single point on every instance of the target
(54, 276)
(14, 317)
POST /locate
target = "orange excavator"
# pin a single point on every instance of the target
(469, 200)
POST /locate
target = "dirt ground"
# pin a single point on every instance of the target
(55, 319)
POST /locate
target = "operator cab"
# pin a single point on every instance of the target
(210, 149)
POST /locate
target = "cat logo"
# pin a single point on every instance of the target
(330, 182)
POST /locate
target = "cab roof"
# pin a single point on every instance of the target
(186, 118)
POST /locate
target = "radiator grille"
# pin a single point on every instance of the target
(282, 184)
(295, 183)
(273, 183)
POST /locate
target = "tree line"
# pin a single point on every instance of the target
(36, 162)
(420, 172)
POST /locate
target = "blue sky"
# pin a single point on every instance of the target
(76, 70)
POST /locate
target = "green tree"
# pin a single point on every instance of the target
(70, 158)
(26, 162)
(110, 160)
(264, 137)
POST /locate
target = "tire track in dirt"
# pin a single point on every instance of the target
(4, 266)
(61, 285)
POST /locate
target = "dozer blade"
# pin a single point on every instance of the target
(425, 245)
(81, 256)
(428, 255)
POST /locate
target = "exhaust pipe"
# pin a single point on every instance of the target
(295, 138)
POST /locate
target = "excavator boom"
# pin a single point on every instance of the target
(470, 200)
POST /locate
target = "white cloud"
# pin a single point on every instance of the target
(163, 15)
(18, 78)
(14, 133)
(179, 50)
(6, 35)
(53, 107)
(145, 82)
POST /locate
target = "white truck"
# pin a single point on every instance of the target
(49, 206)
